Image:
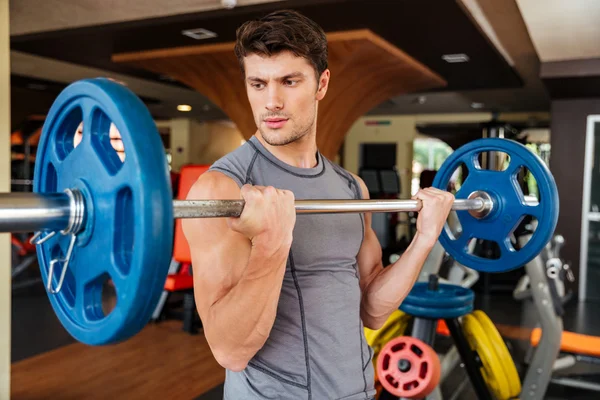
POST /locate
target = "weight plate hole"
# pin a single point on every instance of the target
(496, 160)
(453, 225)
(109, 296)
(524, 230)
(416, 350)
(386, 362)
(529, 185)
(487, 249)
(392, 381)
(423, 370)
(100, 298)
(106, 141)
(66, 134)
(124, 230)
(398, 347)
(411, 385)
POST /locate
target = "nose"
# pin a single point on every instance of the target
(274, 100)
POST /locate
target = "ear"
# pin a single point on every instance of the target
(323, 84)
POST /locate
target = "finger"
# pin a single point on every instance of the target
(424, 195)
(247, 190)
(416, 195)
(117, 144)
(260, 188)
(114, 132)
(433, 190)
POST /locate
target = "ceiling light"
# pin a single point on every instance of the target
(455, 58)
(184, 107)
(477, 105)
(199, 33)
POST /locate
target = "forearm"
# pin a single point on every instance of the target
(240, 322)
(386, 291)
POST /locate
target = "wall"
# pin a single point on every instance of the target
(5, 259)
(568, 129)
(211, 141)
(180, 129)
(195, 142)
(401, 130)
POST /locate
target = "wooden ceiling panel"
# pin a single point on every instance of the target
(365, 71)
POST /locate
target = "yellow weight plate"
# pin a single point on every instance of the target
(394, 326)
(510, 370)
(492, 371)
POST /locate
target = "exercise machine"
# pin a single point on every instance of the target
(553, 349)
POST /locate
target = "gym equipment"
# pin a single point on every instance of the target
(546, 293)
(474, 345)
(509, 208)
(492, 369)
(457, 274)
(116, 220)
(395, 325)
(446, 301)
(504, 357)
(446, 296)
(408, 367)
(98, 218)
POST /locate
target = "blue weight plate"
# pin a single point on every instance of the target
(509, 205)
(434, 312)
(445, 296)
(127, 237)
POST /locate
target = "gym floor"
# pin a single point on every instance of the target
(160, 359)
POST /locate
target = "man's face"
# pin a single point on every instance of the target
(283, 92)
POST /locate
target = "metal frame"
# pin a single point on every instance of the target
(585, 207)
(541, 368)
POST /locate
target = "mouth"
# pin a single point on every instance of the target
(275, 122)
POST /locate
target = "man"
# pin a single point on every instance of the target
(283, 298)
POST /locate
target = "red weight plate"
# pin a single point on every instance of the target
(407, 367)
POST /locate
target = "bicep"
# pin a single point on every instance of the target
(219, 255)
(370, 253)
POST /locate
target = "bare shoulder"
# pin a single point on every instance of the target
(214, 185)
(211, 185)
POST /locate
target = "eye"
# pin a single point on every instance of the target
(290, 82)
(257, 86)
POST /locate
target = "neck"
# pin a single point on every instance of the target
(302, 153)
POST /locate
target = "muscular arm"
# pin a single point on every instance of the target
(236, 283)
(383, 289)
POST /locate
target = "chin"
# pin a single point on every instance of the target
(277, 137)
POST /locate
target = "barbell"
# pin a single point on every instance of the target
(96, 217)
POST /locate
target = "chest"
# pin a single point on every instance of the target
(321, 239)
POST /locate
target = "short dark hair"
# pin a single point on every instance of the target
(280, 31)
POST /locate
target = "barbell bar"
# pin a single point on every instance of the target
(28, 212)
(97, 218)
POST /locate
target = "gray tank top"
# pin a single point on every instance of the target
(317, 348)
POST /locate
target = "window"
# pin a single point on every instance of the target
(428, 154)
